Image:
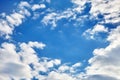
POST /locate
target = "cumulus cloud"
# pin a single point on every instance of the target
(11, 66)
(14, 19)
(64, 71)
(50, 19)
(105, 11)
(22, 62)
(100, 77)
(70, 69)
(26, 64)
(14, 64)
(92, 33)
(38, 6)
(109, 9)
(70, 13)
(106, 60)
(8, 23)
(6, 29)
(53, 17)
(59, 76)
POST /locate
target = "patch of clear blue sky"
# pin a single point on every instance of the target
(64, 42)
(60, 4)
(8, 6)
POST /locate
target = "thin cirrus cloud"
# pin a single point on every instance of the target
(21, 60)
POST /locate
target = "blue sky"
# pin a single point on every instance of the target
(70, 39)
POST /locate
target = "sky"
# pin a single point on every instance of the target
(59, 40)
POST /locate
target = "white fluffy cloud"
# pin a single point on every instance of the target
(22, 62)
(106, 60)
(11, 66)
(26, 64)
(59, 76)
(38, 6)
(71, 69)
(14, 64)
(8, 23)
(92, 33)
(109, 9)
(64, 71)
(14, 19)
(70, 13)
(50, 19)
(5, 28)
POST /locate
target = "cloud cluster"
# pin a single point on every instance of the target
(21, 61)
(9, 22)
(102, 11)
(109, 9)
(106, 60)
(92, 33)
(70, 13)
(17, 17)
(11, 66)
